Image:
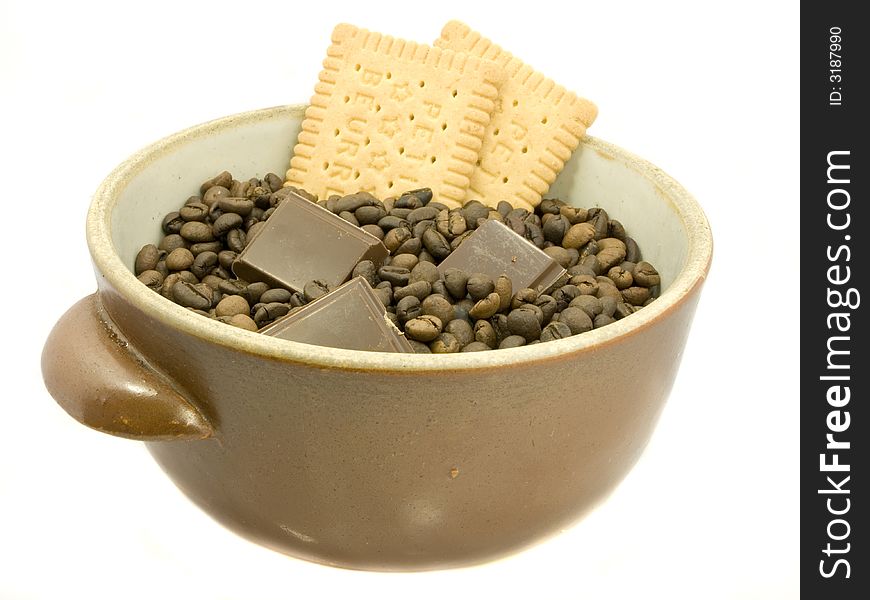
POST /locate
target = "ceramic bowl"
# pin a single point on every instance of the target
(372, 460)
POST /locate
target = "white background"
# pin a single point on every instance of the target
(709, 92)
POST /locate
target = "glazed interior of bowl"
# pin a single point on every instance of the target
(127, 211)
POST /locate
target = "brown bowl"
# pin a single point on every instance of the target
(372, 460)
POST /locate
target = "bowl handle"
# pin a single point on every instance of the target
(97, 376)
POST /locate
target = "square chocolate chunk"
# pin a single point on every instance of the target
(495, 249)
(349, 317)
(301, 242)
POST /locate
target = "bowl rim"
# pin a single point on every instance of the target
(111, 267)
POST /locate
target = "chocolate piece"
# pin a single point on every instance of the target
(349, 317)
(494, 249)
(301, 242)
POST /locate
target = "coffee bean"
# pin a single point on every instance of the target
(418, 289)
(480, 285)
(472, 211)
(504, 289)
(578, 235)
(212, 281)
(592, 263)
(392, 222)
(445, 343)
(485, 333)
(276, 295)
(565, 294)
(254, 230)
(600, 222)
(407, 202)
(367, 270)
(412, 246)
(419, 347)
(194, 231)
(623, 309)
(225, 223)
(611, 252)
(620, 277)
(424, 328)
(606, 288)
(486, 307)
(239, 206)
(424, 213)
(408, 308)
(547, 305)
(152, 279)
(512, 341)
(438, 306)
(524, 321)
(645, 275)
(223, 179)
(576, 319)
(396, 237)
(352, 202)
(270, 312)
(587, 284)
(194, 212)
(450, 223)
(424, 271)
(574, 214)
(214, 194)
(436, 244)
(397, 276)
(171, 242)
(189, 295)
(405, 261)
(239, 189)
(524, 296)
(204, 263)
(349, 217)
(457, 241)
(232, 305)
(555, 331)
(315, 289)
(580, 270)
(589, 304)
(560, 255)
(236, 240)
(200, 247)
(384, 293)
(179, 259)
(475, 347)
(369, 215)
(456, 282)
(162, 268)
(602, 320)
(632, 252)
(391, 317)
(461, 330)
(636, 295)
(147, 259)
(555, 229)
(462, 307)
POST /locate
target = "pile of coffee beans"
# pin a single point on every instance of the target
(606, 279)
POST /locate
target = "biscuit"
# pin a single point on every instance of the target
(389, 115)
(536, 126)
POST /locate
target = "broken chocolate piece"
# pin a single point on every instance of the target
(349, 317)
(494, 249)
(302, 241)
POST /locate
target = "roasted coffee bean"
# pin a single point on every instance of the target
(461, 330)
(352, 202)
(419, 347)
(645, 275)
(411, 246)
(253, 292)
(161, 268)
(232, 286)
(485, 333)
(276, 295)
(524, 321)
(600, 221)
(254, 230)
(440, 288)
(424, 194)
(194, 231)
(486, 307)
(418, 229)
(236, 240)
(472, 211)
(242, 322)
(555, 331)
(367, 270)
(550, 206)
(401, 214)
(591, 247)
(580, 270)
(504, 207)
(200, 247)
(418, 289)
(623, 309)
(560, 255)
(602, 320)
(636, 295)
(315, 289)
(620, 277)
(172, 223)
(565, 294)
(632, 252)
(606, 288)
(396, 237)
(349, 217)
(535, 234)
(589, 304)
(194, 212)
(592, 263)
(516, 223)
(408, 202)
(608, 305)
(450, 223)
(408, 308)
(475, 347)
(462, 307)
(391, 317)
(374, 230)
(445, 343)
(538, 312)
(424, 271)
(504, 289)
(212, 281)
(204, 263)
(480, 286)
(273, 181)
(239, 189)
(611, 253)
(574, 214)
(397, 276)
(438, 306)
(214, 194)
(524, 296)
(297, 299)
(424, 213)
(456, 282)
(424, 328)
(405, 261)
(436, 244)
(512, 341)
(392, 222)
(587, 284)
(555, 229)
(455, 242)
(384, 293)
(578, 235)
(152, 279)
(239, 206)
(270, 312)
(179, 259)
(147, 259)
(171, 242)
(616, 230)
(192, 296)
(494, 215)
(224, 178)
(369, 215)
(222, 273)
(547, 305)
(232, 305)
(225, 223)
(576, 319)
